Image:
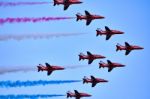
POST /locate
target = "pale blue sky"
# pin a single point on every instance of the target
(132, 17)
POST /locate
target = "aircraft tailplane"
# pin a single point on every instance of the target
(39, 68)
(117, 47)
(78, 17)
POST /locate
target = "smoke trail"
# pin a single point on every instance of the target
(76, 66)
(16, 69)
(34, 20)
(18, 83)
(12, 96)
(36, 36)
(5, 4)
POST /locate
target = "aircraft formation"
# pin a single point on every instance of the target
(90, 57)
(88, 17)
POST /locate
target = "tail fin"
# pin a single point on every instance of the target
(39, 68)
(81, 56)
(98, 32)
(100, 64)
(84, 80)
(117, 47)
(68, 94)
(78, 16)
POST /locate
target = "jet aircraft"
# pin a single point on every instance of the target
(77, 94)
(108, 32)
(93, 80)
(88, 17)
(66, 3)
(110, 65)
(90, 57)
(128, 48)
(49, 68)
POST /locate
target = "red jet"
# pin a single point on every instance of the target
(108, 32)
(128, 48)
(93, 80)
(66, 3)
(88, 17)
(49, 68)
(77, 95)
(90, 57)
(110, 65)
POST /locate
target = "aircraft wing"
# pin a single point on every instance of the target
(110, 66)
(77, 94)
(47, 65)
(90, 61)
(49, 72)
(94, 81)
(94, 84)
(87, 13)
(90, 54)
(127, 44)
(107, 29)
(127, 52)
(110, 69)
(108, 36)
(66, 6)
(88, 21)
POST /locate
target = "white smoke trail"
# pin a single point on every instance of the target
(36, 36)
(11, 69)
(75, 66)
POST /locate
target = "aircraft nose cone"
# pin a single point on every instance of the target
(102, 17)
(61, 68)
(121, 32)
(103, 57)
(88, 95)
(141, 48)
(122, 65)
(106, 81)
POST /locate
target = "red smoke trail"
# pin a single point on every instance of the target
(26, 19)
(4, 4)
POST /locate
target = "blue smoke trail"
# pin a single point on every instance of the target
(29, 96)
(34, 83)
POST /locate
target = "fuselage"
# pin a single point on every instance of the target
(58, 2)
(44, 68)
(129, 48)
(112, 32)
(80, 95)
(103, 65)
(94, 56)
(98, 80)
(92, 17)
